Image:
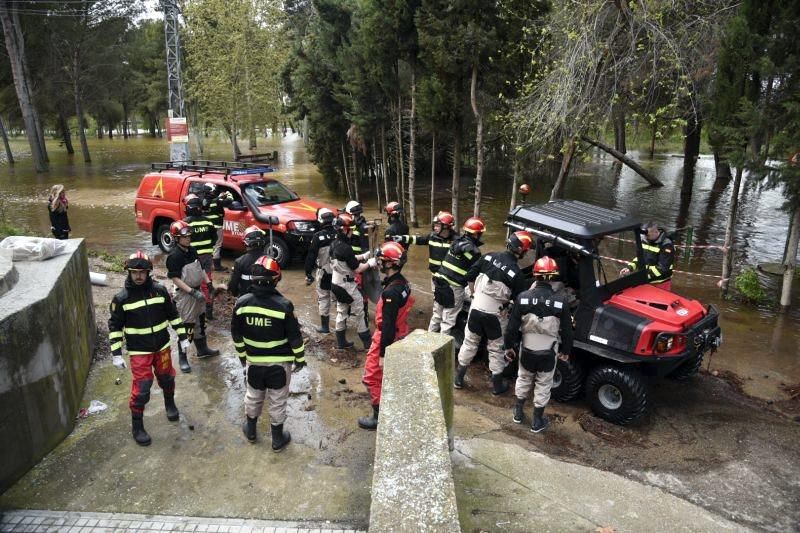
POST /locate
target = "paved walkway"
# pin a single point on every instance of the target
(28, 521)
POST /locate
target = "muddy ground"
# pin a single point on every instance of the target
(704, 440)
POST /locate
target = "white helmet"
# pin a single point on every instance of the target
(354, 208)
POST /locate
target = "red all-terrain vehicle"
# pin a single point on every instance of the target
(626, 330)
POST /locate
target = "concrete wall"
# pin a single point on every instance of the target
(412, 481)
(8, 274)
(47, 338)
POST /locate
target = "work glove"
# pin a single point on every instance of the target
(363, 257)
(298, 366)
(510, 355)
(309, 280)
(184, 344)
(118, 362)
(198, 294)
(373, 263)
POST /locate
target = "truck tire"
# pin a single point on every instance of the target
(164, 238)
(279, 251)
(568, 380)
(617, 394)
(687, 369)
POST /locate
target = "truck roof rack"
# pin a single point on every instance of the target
(203, 166)
(574, 218)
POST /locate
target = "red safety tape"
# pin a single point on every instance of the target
(721, 279)
(698, 246)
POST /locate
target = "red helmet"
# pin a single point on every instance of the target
(343, 222)
(524, 189)
(393, 208)
(139, 261)
(445, 218)
(545, 266)
(265, 269)
(392, 252)
(474, 225)
(179, 228)
(519, 242)
(254, 237)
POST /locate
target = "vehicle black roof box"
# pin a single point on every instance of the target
(217, 167)
(574, 218)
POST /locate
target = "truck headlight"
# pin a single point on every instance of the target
(664, 342)
(303, 226)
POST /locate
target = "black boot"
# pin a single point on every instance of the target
(370, 422)
(519, 411)
(139, 434)
(183, 361)
(172, 409)
(280, 438)
(461, 372)
(341, 340)
(202, 348)
(499, 385)
(540, 422)
(325, 323)
(249, 429)
(366, 338)
(210, 310)
(218, 267)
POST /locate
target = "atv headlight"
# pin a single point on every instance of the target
(303, 226)
(664, 342)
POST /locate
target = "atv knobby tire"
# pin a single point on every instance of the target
(687, 369)
(567, 380)
(617, 394)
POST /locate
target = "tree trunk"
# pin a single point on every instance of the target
(231, 131)
(79, 113)
(15, 45)
(456, 186)
(643, 172)
(563, 173)
(412, 174)
(653, 140)
(433, 175)
(152, 126)
(125, 133)
(384, 170)
(110, 130)
(401, 169)
(727, 258)
(134, 131)
(618, 117)
(346, 178)
(354, 174)
(515, 182)
(790, 261)
(193, 125)
(375, 171)
(9, 154)
(691, 150)
(721, 167)
(65, 133)
(473, 98)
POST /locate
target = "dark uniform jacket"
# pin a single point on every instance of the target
(239, 283)
(214, 210)
(541, 302)
(204, 234)
(658, 257)
(319, 242)
(397, 227)
(177, 259)
(141, 314)
(437, 247)
(359, 238)
(500, 267)
(395, 295)
(264, 328)
(460, 257)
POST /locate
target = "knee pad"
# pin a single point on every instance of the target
(143, 396)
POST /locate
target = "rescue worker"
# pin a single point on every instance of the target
(397, 226)
(359, 237)
(658, 253)
(450, 280)
(186, 273)
(140, 313)
(254, 241)
(204, 238)
(541, 318)
(494, 281)
(214, 203)
(391, 323)
(345, 264)
(319, 257)
(267, 338)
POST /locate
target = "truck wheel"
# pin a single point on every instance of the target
(617, 394)
(164, 238)
(687, 369)
(279, 251)
(567, 380)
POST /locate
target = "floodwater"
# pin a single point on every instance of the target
(760, 344)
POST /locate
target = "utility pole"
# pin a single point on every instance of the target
(179, 147)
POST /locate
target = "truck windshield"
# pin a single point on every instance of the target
(268, 193)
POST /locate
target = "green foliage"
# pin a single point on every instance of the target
(113, 262)
(748, 286)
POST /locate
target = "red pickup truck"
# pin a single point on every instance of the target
(258, 199)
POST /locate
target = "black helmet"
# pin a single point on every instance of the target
(194, 204)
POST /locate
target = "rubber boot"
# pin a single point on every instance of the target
(249, 429)
(540, 422)
(461, 372)
(366, 338)
(218, 267)
(499, 385)
(183, 361)
(139, 434)
(341, 340)
(370, 422)
(324, 324)
(209, 310)
(203, 350)
(519, 411)
(280, 438)
(172, 409)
